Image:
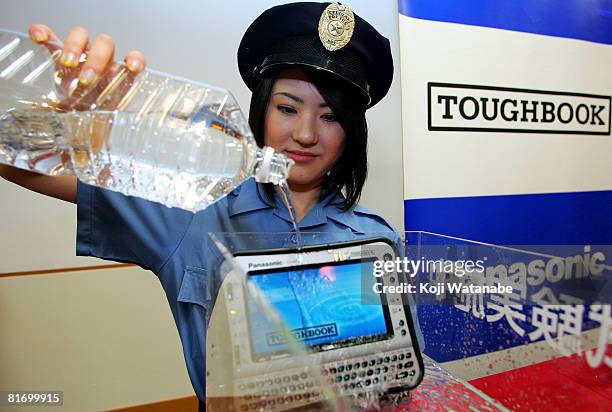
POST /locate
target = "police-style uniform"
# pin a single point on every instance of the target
(175, 244)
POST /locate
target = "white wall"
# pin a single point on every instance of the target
(193, 39)
(105, 338)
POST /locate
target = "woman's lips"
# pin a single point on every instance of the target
(301, 157)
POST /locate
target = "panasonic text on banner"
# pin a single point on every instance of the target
(457, 107)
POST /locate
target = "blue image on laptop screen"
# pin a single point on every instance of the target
(320, 305)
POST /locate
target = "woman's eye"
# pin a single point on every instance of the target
(330, 117)
(286, 109)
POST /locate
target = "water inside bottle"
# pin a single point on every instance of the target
(117, 151)
(28, 141)
(170, 140)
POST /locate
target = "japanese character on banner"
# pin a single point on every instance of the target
(508, 305)
(472, 302)
(601, 314)
(559, 322)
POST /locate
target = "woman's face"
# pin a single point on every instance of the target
(300, 124)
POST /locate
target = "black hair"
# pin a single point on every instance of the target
(350, 171)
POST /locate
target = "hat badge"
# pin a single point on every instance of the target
(336, 26)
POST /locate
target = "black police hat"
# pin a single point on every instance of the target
(315, 35)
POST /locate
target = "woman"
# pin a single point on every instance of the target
(312, 83)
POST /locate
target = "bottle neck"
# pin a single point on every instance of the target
(271, 167)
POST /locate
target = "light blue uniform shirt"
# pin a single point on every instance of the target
(175, 245)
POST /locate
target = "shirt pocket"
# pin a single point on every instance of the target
(195, 300)
(195, 287)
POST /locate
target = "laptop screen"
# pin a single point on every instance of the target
(322, 307)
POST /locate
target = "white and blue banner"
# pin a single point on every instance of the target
(506, 119)
(506, 114)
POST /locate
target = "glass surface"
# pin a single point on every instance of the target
(535, 348)
(482, 350)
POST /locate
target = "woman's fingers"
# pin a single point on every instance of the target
(101, 53)
(135, 61)
(42, 34)
(74, 46)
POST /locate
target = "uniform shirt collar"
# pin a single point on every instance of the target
(318, 215)
(251, 196)
(359, 219)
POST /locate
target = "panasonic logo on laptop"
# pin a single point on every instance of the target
(265, 264)
(461, 107)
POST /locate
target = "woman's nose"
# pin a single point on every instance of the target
(305, 131)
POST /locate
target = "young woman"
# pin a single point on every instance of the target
(312, 83)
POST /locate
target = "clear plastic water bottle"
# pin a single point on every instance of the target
(170, 140)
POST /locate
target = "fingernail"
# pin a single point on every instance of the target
(87, 76)
(134, 65)
(69, 59)
(38, 36)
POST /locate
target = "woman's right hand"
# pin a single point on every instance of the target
(100, 53)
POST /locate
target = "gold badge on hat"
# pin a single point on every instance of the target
(336, 26)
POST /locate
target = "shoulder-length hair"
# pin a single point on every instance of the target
(349, 173)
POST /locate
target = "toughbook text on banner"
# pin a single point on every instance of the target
(457, 107)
